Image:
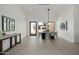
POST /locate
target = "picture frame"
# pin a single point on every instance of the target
(8, 24)
(64, 25)
(11, 24)
(4, 24)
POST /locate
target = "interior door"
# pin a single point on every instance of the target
(33, 28)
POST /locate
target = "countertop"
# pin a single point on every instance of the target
(2, 37)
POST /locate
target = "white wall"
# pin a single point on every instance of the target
(66, 15)
(76, 23)
(13, 11)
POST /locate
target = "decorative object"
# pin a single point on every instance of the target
(64, 25)
(4, 24)
(11, 25)
(3, 33)
(8, 24)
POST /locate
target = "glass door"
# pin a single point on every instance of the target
(33, 28)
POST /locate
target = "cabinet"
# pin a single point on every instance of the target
(6, 44)
(13, 40)
(9, 41)
(18, 38)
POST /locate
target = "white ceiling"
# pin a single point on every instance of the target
(40, 11)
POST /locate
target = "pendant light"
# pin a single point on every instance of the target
(48, 14)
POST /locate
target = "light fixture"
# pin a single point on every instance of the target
(48, 14)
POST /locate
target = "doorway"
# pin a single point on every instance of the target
(33, 28)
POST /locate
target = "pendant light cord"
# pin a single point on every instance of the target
(48, 14)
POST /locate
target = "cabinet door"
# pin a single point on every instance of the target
(6, 44)
(18, 39)
(13, 41)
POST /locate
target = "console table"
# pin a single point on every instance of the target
(9, 41)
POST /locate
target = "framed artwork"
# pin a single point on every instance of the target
(4, 24)
(8, 24)
(64, 25)
(11, 24)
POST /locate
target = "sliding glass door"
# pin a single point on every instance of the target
(33, 28)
